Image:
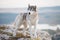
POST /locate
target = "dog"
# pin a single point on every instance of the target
(32, 19)
(21, 19)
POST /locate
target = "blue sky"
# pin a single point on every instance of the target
(24, 3)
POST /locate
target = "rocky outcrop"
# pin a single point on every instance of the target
(6, 33)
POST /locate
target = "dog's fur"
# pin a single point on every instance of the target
(20, 19)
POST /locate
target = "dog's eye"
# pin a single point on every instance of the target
(29, 13)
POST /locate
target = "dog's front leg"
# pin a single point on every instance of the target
(30, 30)
(35, 30)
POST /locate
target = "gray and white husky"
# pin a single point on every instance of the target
(32, 19)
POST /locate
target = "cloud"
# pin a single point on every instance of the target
(24, 3)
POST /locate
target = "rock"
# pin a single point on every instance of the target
(2, 28)
(13, 38)
(19, 35)
(2, 32)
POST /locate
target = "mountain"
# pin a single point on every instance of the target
(18, 10)
(50, 8)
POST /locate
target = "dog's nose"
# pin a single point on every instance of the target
(29, 13)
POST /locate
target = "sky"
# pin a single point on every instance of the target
(24, 3)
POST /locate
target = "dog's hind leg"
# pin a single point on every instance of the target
(15, 29)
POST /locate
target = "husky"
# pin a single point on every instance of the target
(29, 18)
(32, 19)
(20, 20)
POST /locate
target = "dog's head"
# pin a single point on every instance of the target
(31, 7)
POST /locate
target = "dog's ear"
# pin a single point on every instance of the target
(28, 6)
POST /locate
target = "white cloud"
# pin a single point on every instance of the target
(24, 3)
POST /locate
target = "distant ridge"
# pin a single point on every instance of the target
(18, 10)
(50, 8)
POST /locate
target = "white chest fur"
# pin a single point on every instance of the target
(33, 17)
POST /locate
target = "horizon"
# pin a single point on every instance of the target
(41, 9)
(38, 7)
